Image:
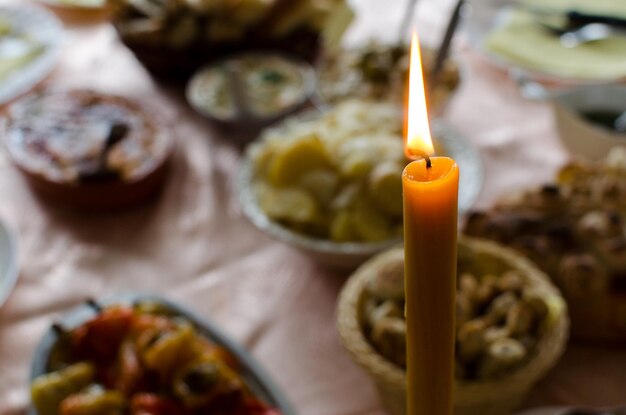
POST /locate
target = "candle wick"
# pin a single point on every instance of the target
(429, 164)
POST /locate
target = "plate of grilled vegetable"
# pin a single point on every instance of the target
(139, 355)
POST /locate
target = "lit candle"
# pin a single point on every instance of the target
(430, 189)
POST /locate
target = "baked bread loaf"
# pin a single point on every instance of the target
(575, 230)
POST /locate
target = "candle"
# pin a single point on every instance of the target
(430, 190)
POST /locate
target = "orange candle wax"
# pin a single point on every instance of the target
(430, 238)
(430, 189)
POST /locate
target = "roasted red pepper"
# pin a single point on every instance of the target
(150, 404)
(99, 339)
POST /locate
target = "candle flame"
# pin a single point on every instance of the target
(418, 139)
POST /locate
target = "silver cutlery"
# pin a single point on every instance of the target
(573, 18)
(591, 32)
(444, 47)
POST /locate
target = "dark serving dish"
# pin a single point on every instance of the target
(258, 381)
(53, 138)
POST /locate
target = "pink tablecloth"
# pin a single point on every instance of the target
(194, 246)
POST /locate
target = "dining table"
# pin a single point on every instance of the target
(194, 246)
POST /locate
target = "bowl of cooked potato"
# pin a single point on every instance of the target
(511, 327)
(330, 183)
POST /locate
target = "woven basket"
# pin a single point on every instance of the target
(486, 397)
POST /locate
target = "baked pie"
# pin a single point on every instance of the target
(87, 149)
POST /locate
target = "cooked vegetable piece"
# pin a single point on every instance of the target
(93, 403)
(99, 339)
(170, 350)
(203, 380)
(151, 404)
(130, 369)
(49, 390)
(288, 204)
(385, 188)
(296, 157)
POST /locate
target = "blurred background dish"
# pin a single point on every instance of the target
(329, 183)
(77, 4)
(252, 88)
(588, 119)
(574, 230)
(30, 45)
(175, 38)
(517, 34)
(222, 374)
(573, 410)
(9, 260)
(379, 72)
(512, 327)
(88, 150)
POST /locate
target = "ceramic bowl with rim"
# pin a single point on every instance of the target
(96, 193)
(9, 260)
(231, 92)
(581, 136)
(260, 384)
(349, 255)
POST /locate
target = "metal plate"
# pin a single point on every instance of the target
(44, 29)
(484, 17)
(254, 376)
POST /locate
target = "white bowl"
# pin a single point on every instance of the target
(349, 255)
(9, 268)
(580, 136)
(344, 255)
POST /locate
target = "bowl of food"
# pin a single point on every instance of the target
(573, 229)
(87, 150)
(147, 355)
(329, 183)
(591, 120)
(511, 327)
(175, 38)
(379, 72)
(251, 89)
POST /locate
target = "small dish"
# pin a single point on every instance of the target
(9, 261)
(379, 72)
(348, 255)
(36, 26)
(253, 375)
(581, 136)
(252, 88)
(87, 150)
